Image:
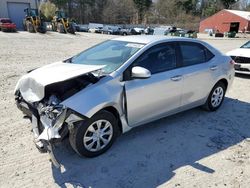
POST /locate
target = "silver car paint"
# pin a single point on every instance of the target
(152, 97)
(145, 98)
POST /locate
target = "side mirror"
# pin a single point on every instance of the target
(140, 72)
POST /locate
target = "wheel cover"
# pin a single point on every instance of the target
(217, 97)
(98, 135)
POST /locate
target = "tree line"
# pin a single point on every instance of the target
(181, 13)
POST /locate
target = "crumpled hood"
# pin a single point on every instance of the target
(242, 52)
(32, 85)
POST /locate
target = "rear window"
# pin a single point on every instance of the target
(194, 53)
(209, 55)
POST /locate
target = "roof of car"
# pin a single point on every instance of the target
(146, 39)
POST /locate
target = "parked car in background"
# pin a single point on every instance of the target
(160, 31)
(93, 27)
(92, 30)
(241, 56)
(137, 31)
(81, 28)
(111, 30)
(120, 84)
(7, 25)
(149, 31)
(99, 30)
(124, 32)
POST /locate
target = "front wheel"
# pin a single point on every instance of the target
(216, 97)
(93, 137)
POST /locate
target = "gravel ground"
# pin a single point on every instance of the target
(191, 149)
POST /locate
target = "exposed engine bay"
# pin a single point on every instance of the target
(65, 89)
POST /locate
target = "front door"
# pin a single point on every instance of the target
(152, 98)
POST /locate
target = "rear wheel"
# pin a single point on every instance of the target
(216, 97)
(60, 28)
(30, 27)
(93, 137)
(24, 26)
(71, 29)
(53, 26)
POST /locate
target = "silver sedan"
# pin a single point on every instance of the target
(119, 84)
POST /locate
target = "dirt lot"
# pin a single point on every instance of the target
(190, 149)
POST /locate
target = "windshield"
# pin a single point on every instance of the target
(33, 12)
(247, 45)
(62, 14)
(111, 53)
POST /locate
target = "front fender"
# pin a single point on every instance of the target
(105, 93)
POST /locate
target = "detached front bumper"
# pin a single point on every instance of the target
(47, 127)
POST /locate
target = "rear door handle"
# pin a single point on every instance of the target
(214, 67)
(176, 78)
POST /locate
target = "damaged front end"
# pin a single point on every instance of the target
(51, 120)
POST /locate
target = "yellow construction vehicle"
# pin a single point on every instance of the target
(61, 23)
(33, 22)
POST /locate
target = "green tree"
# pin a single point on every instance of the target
(227, 3)
(142, 7)
(209, 8)
(189, 6)
(119, 12)
(48, 9)
(60, 3)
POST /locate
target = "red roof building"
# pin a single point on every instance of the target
(226, 21)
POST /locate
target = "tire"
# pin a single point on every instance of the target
(71, 29)
(53, 27)
(216, 97)
(30, 27)
(88, 129)
(60, 28)
(24, 26)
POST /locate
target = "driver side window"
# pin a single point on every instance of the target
(159, 58)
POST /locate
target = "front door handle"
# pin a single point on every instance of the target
(214, 67)
(176, 78)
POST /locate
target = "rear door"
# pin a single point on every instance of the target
(199, 70)
(151, 98)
